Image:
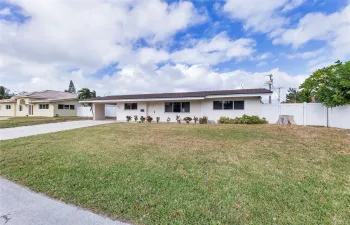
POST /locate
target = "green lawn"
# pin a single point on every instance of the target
(29, 121)
(191, 174)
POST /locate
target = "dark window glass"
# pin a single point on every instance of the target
(239, 105)
(8, 106)
(130, 106)
(185, 107)
(40, 106)
(134, 106)
(60, 106)
(217, 105)
(168, 107)
(177, 106)
(228, 104)
(66, 106)
(71, 107)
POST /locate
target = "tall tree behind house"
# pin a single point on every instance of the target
(71, 88)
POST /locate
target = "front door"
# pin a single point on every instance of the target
(30, 108)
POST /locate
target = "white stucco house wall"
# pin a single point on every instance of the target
(212, 104)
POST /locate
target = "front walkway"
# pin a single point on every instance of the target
(20, 206)
(16, 132)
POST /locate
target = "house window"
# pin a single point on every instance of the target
(68, 107)
(223, 105)
(130, 106)
(228, 104)
(8, 107)
(217, 105)
(239, 105)
(20, 108)
(43, 106)
(178, 107)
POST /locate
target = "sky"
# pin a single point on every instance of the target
(137, 46)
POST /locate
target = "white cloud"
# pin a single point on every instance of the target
(69, 40)
(261, 15)
(264, 56)
(307, 55)
(88, 34)
(5, 12)
(333, 29)
(213, 51)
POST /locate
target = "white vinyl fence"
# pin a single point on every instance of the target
(313, 114)
(110, 111)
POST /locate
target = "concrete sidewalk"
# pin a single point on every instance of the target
(20, 206)
(16, 132)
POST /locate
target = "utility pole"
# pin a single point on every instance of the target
(270, 86)
(279, 94)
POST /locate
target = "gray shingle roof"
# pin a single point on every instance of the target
(184, 94)
(44, 96)
(52, 95)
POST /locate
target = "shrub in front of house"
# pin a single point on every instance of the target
(168, 120)
(195, 119)
(203, 120)
(188, 119)
(128, 118)
(149, 119)
(136, 118)
(245, 119)
(157, 118)
(178, 119)
(142, 119)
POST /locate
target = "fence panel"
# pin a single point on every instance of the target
(339, 117)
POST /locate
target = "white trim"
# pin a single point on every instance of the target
(236, 95)
(174, 99)
(141, 100)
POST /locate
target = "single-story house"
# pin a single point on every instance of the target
(40, 103)
(212, 104)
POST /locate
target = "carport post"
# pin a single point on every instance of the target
(99, 111)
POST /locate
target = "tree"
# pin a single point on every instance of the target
(85, 93)
(293, 96)
(5, 93)
(330, 85)
(71, 88)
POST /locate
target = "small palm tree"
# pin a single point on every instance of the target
(85, 93)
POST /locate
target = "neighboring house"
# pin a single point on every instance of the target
(41, 103)
(213, 104)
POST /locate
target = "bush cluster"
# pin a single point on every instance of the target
(245, 119)
(203, 120)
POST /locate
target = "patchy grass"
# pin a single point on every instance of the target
(29, 121)
(191, 174)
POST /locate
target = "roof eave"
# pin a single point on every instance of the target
(176, 99)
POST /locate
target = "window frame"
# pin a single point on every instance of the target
(8, 107)
(181, 107)
(20, 108)
(44, 106)
(131, 106)
(223, 105)
(239, 101)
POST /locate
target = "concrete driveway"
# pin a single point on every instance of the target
(16, 132)
(20, 206)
